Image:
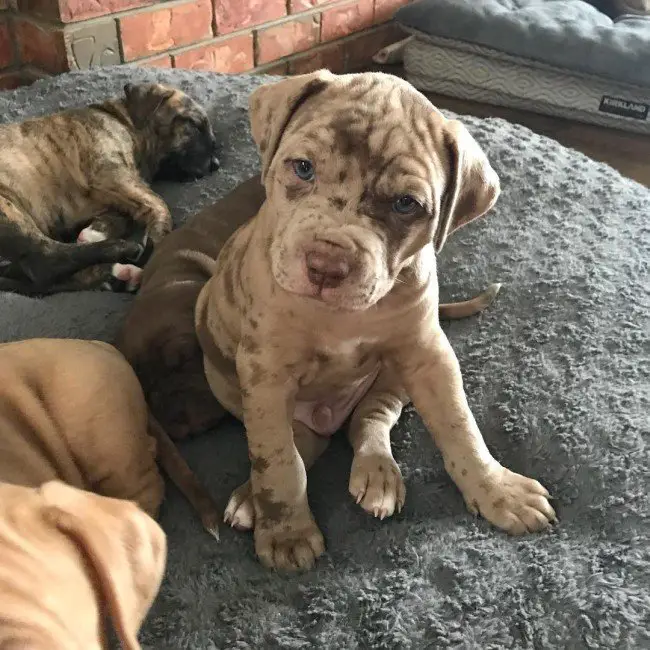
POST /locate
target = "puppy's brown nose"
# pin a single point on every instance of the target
(326, 270)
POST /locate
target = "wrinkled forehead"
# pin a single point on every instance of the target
(378, 133)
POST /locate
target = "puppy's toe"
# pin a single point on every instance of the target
(125, 277)
(89, 235)
(240, 513)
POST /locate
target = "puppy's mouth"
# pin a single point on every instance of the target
(334, 292)
(187, 166)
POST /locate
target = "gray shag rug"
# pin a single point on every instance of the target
(557, 373)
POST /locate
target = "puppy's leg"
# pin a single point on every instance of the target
(240, 511)
(42, 261)
(375, 479)
(431, 374)
(127, 193)
(286, 535)
(119, 278)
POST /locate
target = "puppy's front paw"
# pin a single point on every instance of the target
(291, 545)
(376, 484)
(240, 511)
(512, 502)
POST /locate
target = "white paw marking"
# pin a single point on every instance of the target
(89, 235)
(129, 273)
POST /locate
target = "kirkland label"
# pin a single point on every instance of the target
(624, 107)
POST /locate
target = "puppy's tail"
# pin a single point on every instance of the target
(456, 310)
(175, 466)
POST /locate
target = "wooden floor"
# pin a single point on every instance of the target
(629, 153)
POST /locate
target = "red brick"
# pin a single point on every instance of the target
(233, 15)
(296, 6)
(331, 57)
(342, 21)
(164, 61)
(288, 38)
(41, 46)
(384, 9)
(360, 50)
(6, 46)
(68, 11)
(155, 31)
(231, 55)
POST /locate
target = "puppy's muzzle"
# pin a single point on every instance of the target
(327, 269)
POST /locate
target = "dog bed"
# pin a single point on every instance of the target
(556, 373)
(558, 57)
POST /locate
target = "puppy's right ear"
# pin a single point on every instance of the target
(125, 548)
(272, 106)
(142, 101)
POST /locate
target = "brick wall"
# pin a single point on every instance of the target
(44, 37)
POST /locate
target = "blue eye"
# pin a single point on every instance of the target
(405, 204)
(304, 170)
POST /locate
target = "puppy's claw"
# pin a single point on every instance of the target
(211, 525)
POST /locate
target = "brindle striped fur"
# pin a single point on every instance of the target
(92, 166)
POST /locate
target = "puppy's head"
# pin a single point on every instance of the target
(362, 172)
(177, 127)
(124, 547)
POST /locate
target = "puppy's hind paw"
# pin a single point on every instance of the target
(124, 278)
(145, 250)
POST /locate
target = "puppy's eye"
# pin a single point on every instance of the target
(190, 121)
(405, 204)
(304, 169)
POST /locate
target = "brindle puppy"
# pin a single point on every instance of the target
(83, 174)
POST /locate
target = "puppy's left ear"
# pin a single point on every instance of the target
(472, 187)
(143, 100)
(126, 549)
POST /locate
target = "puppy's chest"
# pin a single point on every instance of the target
(337, 367)
(336, 382)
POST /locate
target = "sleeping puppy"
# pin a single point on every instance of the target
(83, 175)
(73, 421)
(324, 307)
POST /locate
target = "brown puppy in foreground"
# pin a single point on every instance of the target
(73, 421)
(73, 185)
(325, 306)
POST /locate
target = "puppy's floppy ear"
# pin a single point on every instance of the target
(126, 549)
(272, 106)
(143, 100)
(473, 186)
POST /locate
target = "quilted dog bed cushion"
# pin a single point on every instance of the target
(561, 57)
(557, 374)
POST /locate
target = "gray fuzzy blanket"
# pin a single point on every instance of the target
(557, 373)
